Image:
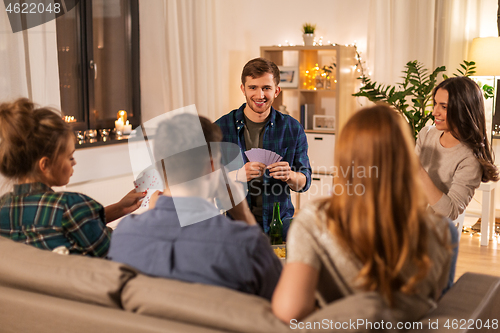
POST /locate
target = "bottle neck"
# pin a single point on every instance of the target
(276, 211)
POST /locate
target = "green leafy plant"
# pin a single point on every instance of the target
(413, 97)
(468, 69)
(328, 70)
(308, 28)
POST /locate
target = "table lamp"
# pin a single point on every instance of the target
(485, 52)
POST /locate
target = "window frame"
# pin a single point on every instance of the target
(85, 41)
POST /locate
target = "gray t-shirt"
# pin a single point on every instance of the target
(254, 138)
(455, 171)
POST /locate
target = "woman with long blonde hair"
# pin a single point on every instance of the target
(373, 233)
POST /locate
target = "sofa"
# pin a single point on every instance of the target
(42, 291)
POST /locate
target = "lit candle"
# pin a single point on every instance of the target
(119, 125)
(127, 128)
(122, 114)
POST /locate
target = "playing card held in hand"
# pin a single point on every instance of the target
(264, 156)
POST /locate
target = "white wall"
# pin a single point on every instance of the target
(244, 26)
(237, 29)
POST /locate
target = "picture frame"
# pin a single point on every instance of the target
(289, 76)
(323, 123)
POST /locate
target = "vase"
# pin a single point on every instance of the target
(328, 83)
(308, 39)
(319, 82)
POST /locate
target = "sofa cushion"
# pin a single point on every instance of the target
(361, 312)
(471, 305)
(23, 311)
(74, 277)
(204, 305)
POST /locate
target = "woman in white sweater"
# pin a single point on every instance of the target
(455, 153)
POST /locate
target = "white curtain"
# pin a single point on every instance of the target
(28, 63)
(28, 67)
(178, 57)
(434, 32)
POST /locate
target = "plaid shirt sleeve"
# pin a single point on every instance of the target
(301, 160)
(228, 128)
(84, 222)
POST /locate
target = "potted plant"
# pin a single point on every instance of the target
(308, 33)
(413, 97)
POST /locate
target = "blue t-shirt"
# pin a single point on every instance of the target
(216, 251)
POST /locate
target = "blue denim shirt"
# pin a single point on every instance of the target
(216, 251)
(283, 135)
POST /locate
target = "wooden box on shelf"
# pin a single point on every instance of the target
(333, 99)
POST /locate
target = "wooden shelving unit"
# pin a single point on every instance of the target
(337, 101)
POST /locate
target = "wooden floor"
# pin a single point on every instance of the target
(472, 257)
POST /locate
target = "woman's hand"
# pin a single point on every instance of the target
(294, 296)
(130, 202)
(432, 193)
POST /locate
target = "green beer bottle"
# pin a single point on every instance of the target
(276, 227)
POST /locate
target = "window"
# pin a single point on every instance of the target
(98, 50)
(496, 111)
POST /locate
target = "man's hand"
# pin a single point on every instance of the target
(154, 198)
(280, 170)
(283, 172)
(251, 170)
(241, 212)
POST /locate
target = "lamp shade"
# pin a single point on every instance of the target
(485, 52)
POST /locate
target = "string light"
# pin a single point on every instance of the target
(319, 42)
(311, 74)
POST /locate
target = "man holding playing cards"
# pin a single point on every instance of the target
(256, 124)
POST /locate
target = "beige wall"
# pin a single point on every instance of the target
(236, 29)
(243, 26)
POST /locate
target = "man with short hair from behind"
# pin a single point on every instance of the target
(166, 242)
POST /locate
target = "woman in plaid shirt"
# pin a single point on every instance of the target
(36, 153)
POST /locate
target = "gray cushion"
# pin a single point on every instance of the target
(23, 312)
(474, 299)
(204, 305)
(74, 277)
(350, 314)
